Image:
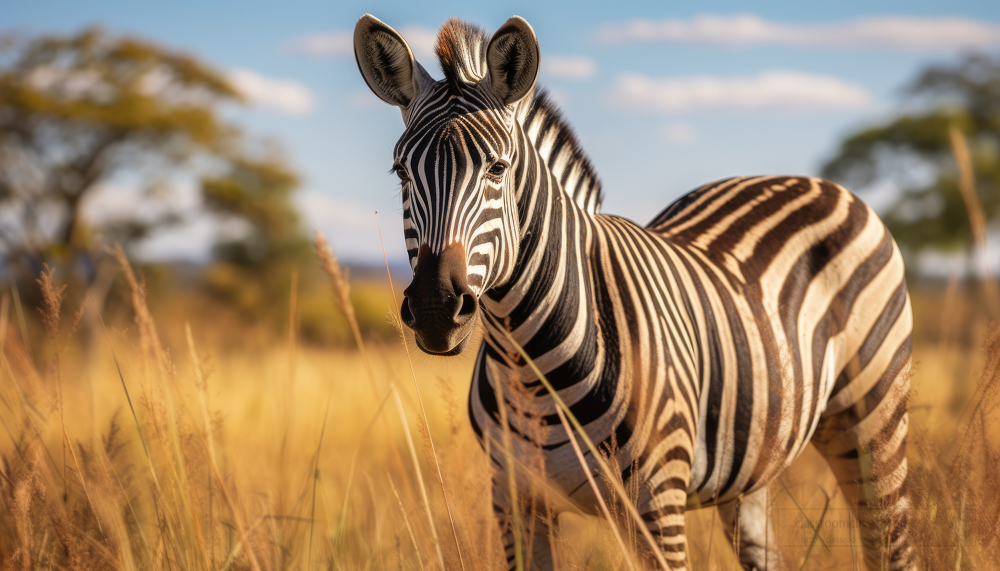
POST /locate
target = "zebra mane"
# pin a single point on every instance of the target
(558, 146)
(461, 51)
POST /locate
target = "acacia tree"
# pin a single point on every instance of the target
(87, 110)
(913, 152)
(252, 268)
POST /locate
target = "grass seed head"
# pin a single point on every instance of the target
(52, 296)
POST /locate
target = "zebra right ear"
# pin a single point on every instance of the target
(386, 62)
(513, 59)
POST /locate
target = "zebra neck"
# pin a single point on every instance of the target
(547, 306)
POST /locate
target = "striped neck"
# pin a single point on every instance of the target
(547, 305)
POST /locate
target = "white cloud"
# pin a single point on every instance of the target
(191, 238)
(284, 95)
(892, 32)
(678, 133)
(421, 41)
(577, 68)
(772, 90)
(65, 82)
(340, 43)
(321, 209)
(336, 44)
(117, 202)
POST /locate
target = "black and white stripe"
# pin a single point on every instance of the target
(754, 316)
(442, 153)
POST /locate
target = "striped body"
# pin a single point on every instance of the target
(753, 317)
(715, 331)
(710, 346)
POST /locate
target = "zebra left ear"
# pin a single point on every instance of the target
(386, 62)
(513, 59)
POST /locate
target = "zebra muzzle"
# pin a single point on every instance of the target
(439, 306)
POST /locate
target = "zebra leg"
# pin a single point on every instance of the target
(758, 544)
(534, 529)
(865, 445)
(666, 523)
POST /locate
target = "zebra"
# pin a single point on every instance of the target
(754, 316)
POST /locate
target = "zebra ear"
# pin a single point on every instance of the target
(386, 62)
(513, 58)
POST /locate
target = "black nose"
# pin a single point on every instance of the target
(439, 306)
(460, 306)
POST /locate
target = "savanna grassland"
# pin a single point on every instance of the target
(170, 437)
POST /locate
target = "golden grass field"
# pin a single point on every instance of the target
(177, 441)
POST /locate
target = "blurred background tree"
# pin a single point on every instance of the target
(913, 154)
(84, 112)
(254, 195)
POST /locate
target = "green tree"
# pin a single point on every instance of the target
(252, 267)
(86, 110)
(913, 152)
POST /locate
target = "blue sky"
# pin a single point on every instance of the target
(663, 96)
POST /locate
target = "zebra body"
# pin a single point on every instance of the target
(754, 316)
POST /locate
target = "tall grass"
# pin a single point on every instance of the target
(977, 218)
(162, 451)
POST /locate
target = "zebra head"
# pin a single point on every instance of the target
(457, 161)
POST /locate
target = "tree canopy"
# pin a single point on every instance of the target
(86, 110)
(913, 152)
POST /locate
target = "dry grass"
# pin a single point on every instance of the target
(159, 451)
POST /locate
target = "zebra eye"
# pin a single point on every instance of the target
(401, 173)
(497, 169)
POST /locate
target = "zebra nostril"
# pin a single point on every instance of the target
(467, 309)
(406, 315)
